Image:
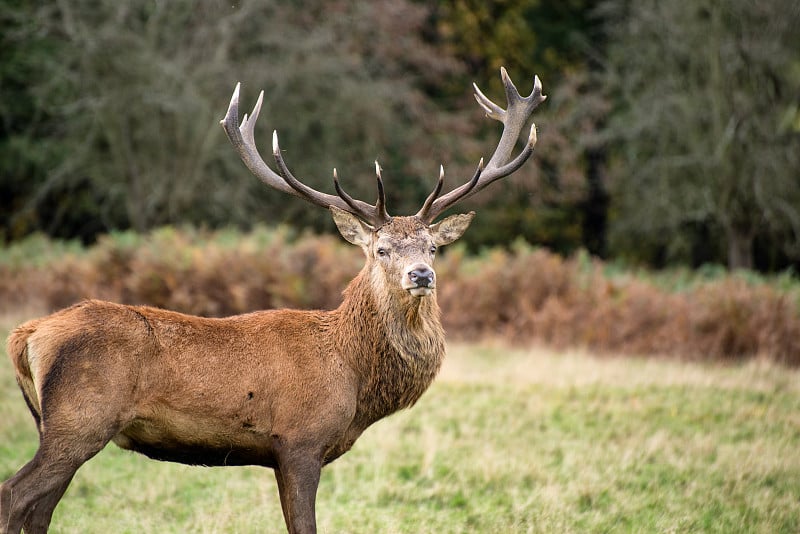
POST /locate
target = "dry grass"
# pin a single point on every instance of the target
(536, 296)
(506, 440)
(473, 363)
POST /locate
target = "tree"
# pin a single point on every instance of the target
(562, 201)
(707, 98)
(132, 93)
(28, 145)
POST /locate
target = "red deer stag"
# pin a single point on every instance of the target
(290, 390)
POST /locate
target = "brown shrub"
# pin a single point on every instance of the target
(731, 318)
(500, 293)
(529, 295)
(524, 295)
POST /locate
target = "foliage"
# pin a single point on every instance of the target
(544, 202)
(30, 136)
(523, 295)
(706, 92)
(538, 296)
(670, 136)
(136, 99)
(132, 99)
(505, 441)
(526, 35)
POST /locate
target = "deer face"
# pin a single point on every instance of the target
(401, 251)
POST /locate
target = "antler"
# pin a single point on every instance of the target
(513, 118)
(242, 138)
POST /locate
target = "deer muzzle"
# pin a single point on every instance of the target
(420, 280)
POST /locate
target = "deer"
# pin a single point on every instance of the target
(290, 390)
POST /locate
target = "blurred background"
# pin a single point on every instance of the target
(671, 135)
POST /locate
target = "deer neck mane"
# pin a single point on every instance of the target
(394, 342)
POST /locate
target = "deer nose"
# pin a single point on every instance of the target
(421, 276)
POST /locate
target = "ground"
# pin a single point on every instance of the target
(506, 440)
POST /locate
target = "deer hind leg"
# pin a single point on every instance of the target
(74, 427)
(26, 497)
(38, 520)
(29, 497)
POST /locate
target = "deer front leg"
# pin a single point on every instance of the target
(298, 475)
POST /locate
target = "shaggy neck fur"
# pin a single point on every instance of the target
(394, 341)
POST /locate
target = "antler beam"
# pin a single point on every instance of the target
(243, 140)
(514, 117)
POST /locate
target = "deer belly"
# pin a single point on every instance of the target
(197, 442)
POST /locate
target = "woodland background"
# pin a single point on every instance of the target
(660, 213)
(671, 135)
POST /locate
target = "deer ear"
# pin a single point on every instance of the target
(351, 227)
(451, 228)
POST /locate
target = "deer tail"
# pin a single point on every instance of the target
(18, 351)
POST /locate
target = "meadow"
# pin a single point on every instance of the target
(506, 440)
(701, 435)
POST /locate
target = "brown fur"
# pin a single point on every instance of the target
(287, 389)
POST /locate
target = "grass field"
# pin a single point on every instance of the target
(505, 441)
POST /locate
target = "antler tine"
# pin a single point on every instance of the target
(456, 194)
(243, 140)
(423, 212)
(514, 117)
(380, 204)
(245, 147)
(353, 203)
(302, 190)
(492, 110)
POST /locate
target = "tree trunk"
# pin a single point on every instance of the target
(740, 249)
(595, 207)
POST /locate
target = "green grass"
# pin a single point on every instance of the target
(505, 441)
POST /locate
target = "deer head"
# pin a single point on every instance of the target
(399, 249)
(400, 252)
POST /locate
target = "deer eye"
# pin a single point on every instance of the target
(433, 249)
(382, 252)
